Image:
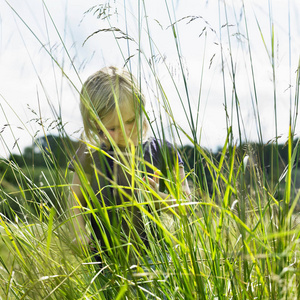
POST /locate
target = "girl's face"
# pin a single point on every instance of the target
(113, 125)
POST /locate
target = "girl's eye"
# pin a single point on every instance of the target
(111, 129)
(131, 121)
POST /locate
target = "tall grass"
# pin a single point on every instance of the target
(235, 238)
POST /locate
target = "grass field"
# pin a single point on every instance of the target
(236, 237)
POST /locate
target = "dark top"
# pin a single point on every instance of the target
(111, 187)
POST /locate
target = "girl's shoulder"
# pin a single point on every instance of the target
(157, 144)
(160, 149)
(86, 158)
(82, 158)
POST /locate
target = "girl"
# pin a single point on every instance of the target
(129, 179)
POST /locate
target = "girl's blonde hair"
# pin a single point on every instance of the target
(98, 98)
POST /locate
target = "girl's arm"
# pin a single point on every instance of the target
(78, 223)
(154, 183)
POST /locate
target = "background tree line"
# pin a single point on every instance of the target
(45, 163)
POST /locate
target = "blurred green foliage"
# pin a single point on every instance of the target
(35, 177)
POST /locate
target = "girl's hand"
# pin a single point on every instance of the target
(82, 241)
(154, 184)
(168, 200)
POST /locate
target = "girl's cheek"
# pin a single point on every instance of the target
(112, 134)
(133, 127)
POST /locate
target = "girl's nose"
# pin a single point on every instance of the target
(127, 131)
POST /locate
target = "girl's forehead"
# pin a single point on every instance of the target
(127, 112)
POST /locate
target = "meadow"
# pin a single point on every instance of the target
(235, 237)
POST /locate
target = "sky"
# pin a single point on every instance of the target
(47, 49)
